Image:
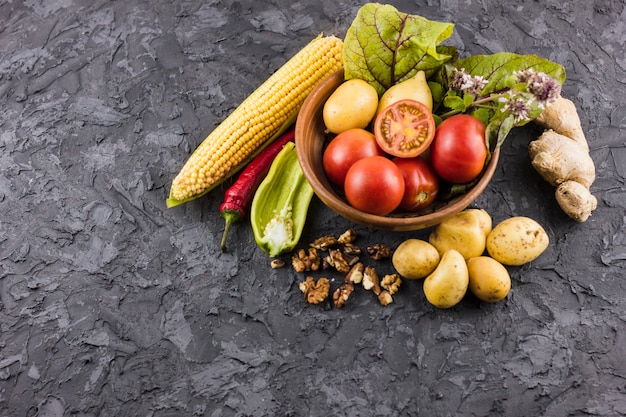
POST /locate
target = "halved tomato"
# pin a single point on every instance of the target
(405, 128)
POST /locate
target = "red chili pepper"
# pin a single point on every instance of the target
(238, 197)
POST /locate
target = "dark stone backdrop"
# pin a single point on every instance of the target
(113, 305)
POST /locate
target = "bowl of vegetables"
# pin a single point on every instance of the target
(313, 139)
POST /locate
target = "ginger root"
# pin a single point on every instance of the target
(561, 156)
(576, 200)
(562, 117)
(558, 159)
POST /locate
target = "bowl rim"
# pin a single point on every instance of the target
(400, 222)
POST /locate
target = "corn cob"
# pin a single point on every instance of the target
(257, 121)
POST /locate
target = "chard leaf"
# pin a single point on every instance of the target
(499, 69)
(384, 46)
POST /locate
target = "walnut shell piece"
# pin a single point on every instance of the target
(351, 249)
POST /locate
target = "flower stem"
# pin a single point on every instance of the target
(481, 102)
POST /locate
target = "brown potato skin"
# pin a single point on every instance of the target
(517, 240)
(448, 283)
(465, 232)
(489, 280)
(415, 259)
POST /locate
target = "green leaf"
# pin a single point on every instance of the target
(384, 46)
(448, 191)
(437, 91)
(499, 69)
(483, 114)
(468, 99)
(455, 103)
(498, 128)
(438, 82)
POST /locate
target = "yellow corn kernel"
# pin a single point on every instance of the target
(257, 121)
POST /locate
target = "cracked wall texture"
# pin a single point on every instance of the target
(113, 305)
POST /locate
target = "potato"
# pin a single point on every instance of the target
(489, 280)
(353, 104)
(465, 232)
(415, 259)
(448, 283)
(484, 220)
(516, 241)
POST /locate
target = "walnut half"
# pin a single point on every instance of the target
(355, 275)
(384, 298)
(379, 251)
(371, 280)
(391, 282)
(347, 237)
(341, 294)
(324, 242)
(315, 291)
(340, 261)
(306, 261)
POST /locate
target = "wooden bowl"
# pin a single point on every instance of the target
(311, 139)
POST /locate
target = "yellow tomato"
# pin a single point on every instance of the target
(415, 88)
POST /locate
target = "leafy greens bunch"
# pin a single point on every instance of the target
(384, 47)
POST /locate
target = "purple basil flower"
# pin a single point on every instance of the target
(517, 104)
(463, 82)
(545, 88)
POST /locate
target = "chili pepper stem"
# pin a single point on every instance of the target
(230, 217)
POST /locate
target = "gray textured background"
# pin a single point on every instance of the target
(113, 305)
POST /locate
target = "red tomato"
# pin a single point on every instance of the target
(420, 183)
(458, 152)
(405, 128)
(345, 149)
(374, 185)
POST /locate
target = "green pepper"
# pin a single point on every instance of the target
(280, 204)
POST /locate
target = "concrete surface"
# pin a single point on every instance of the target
(113, 305)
